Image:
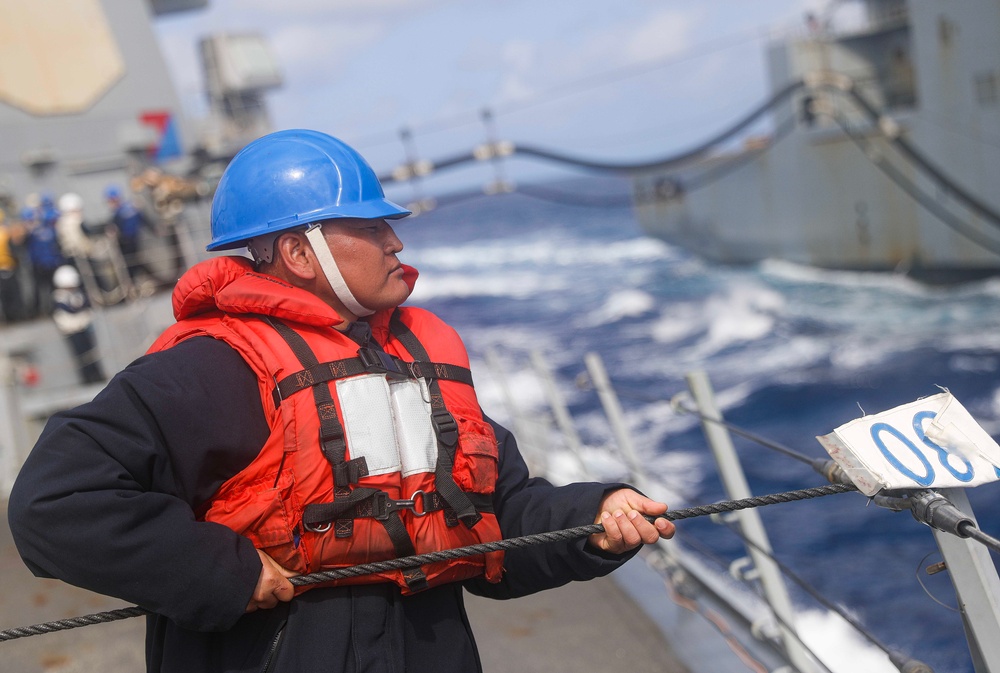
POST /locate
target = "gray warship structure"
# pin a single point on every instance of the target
(883, 151)
(87, 100)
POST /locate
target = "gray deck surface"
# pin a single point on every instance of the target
(586, 626)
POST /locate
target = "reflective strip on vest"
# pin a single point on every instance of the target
(388, 422)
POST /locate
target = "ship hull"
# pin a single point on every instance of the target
(863, 172)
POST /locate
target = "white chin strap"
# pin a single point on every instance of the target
(319, 245)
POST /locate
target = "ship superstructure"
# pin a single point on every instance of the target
(87, 100)
(884, 156)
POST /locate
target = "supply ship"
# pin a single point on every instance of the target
(883, 151)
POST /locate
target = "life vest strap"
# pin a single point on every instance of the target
(445, 428)
(350, 471)
(368, 361)
(331, 430)
(372, 503)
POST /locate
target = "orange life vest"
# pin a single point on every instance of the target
(339, 482)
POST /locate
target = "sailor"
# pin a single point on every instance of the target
(44, 251)
(72, 230)
(11, 301)
(126, 225)
(74, 319)
(295, 418)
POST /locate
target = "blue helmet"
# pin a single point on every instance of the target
(292, 178)
(112, 192)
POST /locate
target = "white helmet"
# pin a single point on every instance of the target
(66, 277)
(70, 201)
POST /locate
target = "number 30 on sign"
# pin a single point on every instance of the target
(931, 443)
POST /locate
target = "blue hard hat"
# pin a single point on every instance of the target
(292, 178)
(27, 213)
(112, 192)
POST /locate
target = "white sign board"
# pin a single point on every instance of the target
(931, 443)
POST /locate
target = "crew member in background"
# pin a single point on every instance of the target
(298, 418)
(73, 232)
(74, 319)
(127, 223)
(44, 252)
(11, 299)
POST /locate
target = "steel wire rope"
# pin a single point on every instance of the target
(451, 554)
(662, 163)
(675, 159)
(827, 467)
(676, 405)
(970, 530)
(791, 453)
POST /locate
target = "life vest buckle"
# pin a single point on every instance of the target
(380, 362)
(445, 427)
(384, 506)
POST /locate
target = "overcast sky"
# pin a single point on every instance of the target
(612, 79)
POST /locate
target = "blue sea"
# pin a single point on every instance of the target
(792, 352)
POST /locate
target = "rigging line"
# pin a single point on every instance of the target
(899, 659)
(917, 157)
(920, 581)
(470, 118)
(670, 161)
(405, 172)
(824, 466)
(970, 530)
(718, 172)
(929, 203)
(460, 552)
(933, 509)
(746, 434)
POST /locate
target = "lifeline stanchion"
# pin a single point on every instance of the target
(447, 554)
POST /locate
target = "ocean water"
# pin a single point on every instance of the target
(792, 352)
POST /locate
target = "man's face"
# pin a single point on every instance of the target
(365, 251)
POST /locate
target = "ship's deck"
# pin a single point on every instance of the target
(581, 627)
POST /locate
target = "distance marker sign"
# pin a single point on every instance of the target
(931, 443)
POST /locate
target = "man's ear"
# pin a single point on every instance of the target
(296, 255)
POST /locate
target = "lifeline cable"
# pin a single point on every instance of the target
(899, 659)
(447, 554)
(746, 434)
